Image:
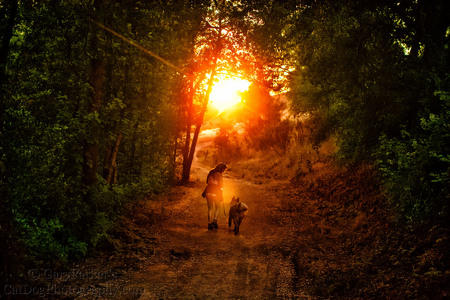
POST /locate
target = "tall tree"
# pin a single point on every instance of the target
(221, 48)
(79, 98)
(8, 14)
(96, 77)
(375, 73)
(210, 51)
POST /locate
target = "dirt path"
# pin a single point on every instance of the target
(291, 243)
(164, 250)
(190, 262)
(323, 236)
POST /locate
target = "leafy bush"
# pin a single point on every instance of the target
(416, 167)
(49, 239)
(47, 123)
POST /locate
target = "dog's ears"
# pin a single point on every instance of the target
(232, 199)
(237, 199)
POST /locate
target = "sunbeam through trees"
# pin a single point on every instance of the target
(331, 116)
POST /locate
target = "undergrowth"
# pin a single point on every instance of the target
(368, 253)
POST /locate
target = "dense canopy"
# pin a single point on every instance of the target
(103, 102)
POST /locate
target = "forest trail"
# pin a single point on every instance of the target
(292, 244)
(190, 262)
(322, 235)
(164, 249)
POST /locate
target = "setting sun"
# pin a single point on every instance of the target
(225, 93)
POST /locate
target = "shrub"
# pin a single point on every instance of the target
(48, 239)
(416, 167)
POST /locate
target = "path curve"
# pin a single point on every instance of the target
(190, 262)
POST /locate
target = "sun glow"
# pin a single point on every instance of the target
(225, 93)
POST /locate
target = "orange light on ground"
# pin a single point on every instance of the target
(225, 93)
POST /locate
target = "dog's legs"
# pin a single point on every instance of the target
(238, 224)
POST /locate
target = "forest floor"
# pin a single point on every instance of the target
(321, 236)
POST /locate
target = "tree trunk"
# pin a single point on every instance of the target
(186, 167)
(91, 146)
(10, 254)
(12, 7)
(90, 155)
(188, 163)
(131, 163)
(190, 151)
(110, 173)
(435, 27)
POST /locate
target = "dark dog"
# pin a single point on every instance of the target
(237, 213)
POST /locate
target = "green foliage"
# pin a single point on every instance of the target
(50, 240)
(46, 120)
(416, 167)
(347, 73)
(366, 72)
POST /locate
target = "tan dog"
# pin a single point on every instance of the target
(237, 213)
